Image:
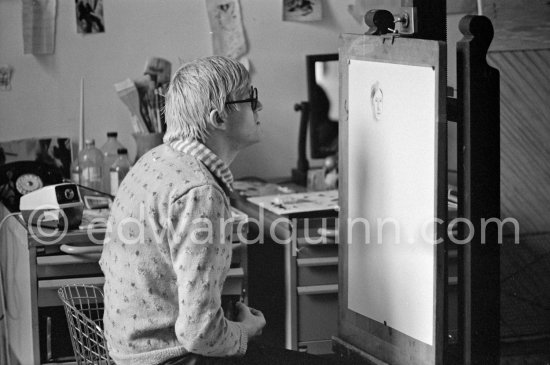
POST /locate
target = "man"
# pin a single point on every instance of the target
(167, 250)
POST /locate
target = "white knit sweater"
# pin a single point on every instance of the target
(165, 266)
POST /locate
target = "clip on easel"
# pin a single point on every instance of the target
(476, 110)
(381, 22)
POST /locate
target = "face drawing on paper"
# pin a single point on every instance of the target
(225, 14)
(377, 101)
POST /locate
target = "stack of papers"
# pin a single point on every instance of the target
(298, 202)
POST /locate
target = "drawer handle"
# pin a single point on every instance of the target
(81, 250)
(318, 261)
(328, 233)
(317, 289)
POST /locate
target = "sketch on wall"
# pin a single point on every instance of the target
(302, 10)
(392, 185)
(227, 28)
(89, 16)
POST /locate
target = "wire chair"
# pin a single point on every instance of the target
(84, 309)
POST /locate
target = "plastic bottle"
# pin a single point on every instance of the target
(119, 169)
(110, 154)
(90, 160)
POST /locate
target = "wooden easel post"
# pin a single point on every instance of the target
(478, 193)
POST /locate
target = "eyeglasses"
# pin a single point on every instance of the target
(253, 99)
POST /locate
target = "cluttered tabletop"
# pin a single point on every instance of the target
(283, 197)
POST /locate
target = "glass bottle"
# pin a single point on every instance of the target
(119, 169)
(75, 171)
(90, 160)
(110, 154)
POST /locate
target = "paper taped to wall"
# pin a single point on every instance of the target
(227, 28)
(39, 26)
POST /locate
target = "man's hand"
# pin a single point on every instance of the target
(252, 319)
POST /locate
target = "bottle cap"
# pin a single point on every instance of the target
(90, 141)
(122, 151)
(112, 134)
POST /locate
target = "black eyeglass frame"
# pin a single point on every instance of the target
(253, 99)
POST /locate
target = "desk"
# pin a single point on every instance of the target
(33, 272)
(292, 281)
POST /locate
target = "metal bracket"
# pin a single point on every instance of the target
(406, 22)
(382, 22)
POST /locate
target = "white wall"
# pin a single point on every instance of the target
(44, 100)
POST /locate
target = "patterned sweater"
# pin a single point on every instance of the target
(166, 256)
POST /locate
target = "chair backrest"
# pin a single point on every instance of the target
(84, 310)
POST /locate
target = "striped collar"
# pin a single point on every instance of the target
(207, 157)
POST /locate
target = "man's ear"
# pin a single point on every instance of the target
(216, 120)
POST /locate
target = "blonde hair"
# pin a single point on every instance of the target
(197, 88)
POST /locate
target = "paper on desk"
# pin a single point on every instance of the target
(39, 26)
(226, 27)
(298, 202)
(258, 188)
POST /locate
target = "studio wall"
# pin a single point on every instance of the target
(44, 100)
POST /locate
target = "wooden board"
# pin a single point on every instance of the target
(519, 24)
(382, 153)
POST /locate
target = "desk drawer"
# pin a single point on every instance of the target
(317, 312)
(317, 271)
(234, 282)
(67, 266)
(308, 230)
(47, 289)
(320, 250)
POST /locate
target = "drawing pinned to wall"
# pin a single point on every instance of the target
(89, 16)
(39, 26)
(226, 28)
(5, 77)
(302, 10)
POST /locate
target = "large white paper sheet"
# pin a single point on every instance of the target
(392, 153)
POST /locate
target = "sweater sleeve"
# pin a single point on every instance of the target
(200, 247)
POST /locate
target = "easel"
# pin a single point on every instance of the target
(477, 114)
